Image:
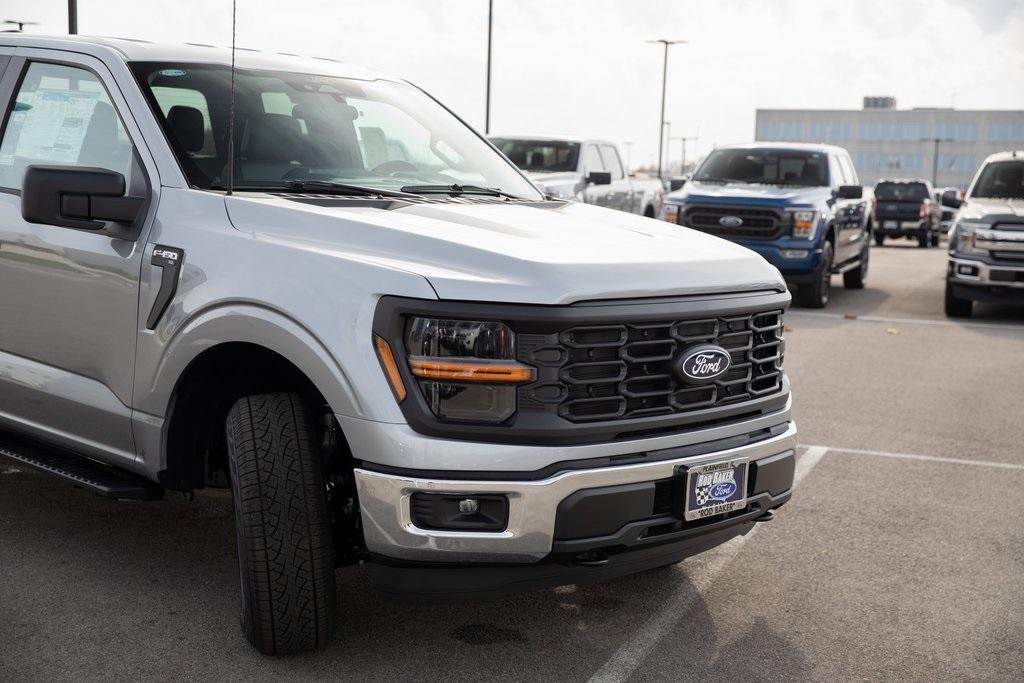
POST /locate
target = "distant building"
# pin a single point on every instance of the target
(886, 142)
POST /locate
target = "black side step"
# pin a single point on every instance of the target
(83, 472)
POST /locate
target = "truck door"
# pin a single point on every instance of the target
(68, 298)
(620, 194)
(849, 213)
(590, 161)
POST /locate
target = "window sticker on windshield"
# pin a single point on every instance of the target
(172, 72)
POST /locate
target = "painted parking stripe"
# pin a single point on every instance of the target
(925, 458)
(633, 652)
(904, 321)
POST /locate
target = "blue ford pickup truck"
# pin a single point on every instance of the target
(800, 206)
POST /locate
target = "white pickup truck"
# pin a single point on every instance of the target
(369, 325)
(584, 170)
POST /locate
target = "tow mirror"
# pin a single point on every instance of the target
(951, 198)
(850, 192)
(77, 197)
(599, 178)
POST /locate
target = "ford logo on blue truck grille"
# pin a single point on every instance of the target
(730, 221)
(700, 364)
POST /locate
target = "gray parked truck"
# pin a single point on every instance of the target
(584, 170)
(371, 327)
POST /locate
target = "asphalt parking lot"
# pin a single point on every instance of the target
(900, 556)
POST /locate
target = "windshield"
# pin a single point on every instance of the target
(908, 192)
(301, 127)
(1001, 180)
(540, 155)
(766, 167)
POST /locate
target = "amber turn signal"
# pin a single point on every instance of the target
(471, 370)
(387, 361)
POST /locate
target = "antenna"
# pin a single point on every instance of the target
(231, 106)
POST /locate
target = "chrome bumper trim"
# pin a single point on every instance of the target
(384, 500)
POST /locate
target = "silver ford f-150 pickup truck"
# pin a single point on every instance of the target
(584, 170)
(313, 284)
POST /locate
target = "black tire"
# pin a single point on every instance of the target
(855, 278)
(816, 294)
(922, 238)
(957, 308)
(935, 239)
(879, 238)
(285, 558)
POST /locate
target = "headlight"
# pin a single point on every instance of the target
(805, 222)
(465, 369)
(671, 213)
(965, 237)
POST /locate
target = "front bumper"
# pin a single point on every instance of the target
(985, 281)
(537, 522)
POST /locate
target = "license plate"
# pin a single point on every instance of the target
(715, 488)
(891, 225)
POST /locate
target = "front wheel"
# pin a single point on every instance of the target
(816, 294)
(922, 238)
(879, 238)
(957, 308)
(935, 239)
(285, 557)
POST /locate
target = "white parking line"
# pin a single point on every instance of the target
(905, 321)
(926, 458)
(633, 652)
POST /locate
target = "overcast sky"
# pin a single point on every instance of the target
(581, 67)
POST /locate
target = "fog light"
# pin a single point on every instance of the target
(794, 253)
(454, 512)
(965, 269)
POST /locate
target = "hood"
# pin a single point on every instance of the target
(743, 193)
(993, 210)
(555, 253)
(562, 185)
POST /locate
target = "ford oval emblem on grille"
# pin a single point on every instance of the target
(701, 364)
(730, 221)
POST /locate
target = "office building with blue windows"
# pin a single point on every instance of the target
(885, 142)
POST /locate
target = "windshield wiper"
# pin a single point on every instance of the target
(455, 190)
(327, 186)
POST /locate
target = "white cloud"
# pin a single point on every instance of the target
(582, 66)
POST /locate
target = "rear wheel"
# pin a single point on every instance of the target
(879, 238)
(285, 558)
(922, 238)
(816, 294)
(855, 278)
(935, 239)
(957, 308)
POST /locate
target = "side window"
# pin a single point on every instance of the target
(612, 162)
(61, 115)
(838, 171)
(592, 159)
(851, 171)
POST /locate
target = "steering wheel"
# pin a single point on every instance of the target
(393, 166)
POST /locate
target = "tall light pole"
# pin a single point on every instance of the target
(72, 17)
(664, 84)
(682, 144)
(935, 156)
(490, 31)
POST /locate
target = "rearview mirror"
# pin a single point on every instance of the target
(951, 198)
(675, 183)
(599, 178)
(850, 192)
(77, 197)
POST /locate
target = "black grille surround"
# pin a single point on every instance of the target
(758, 223)
(556, 409)
(592, 373)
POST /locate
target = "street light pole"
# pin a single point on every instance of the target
(72, 17)
(490, 31)
(935, 157)
(682, 144)
(664, 85)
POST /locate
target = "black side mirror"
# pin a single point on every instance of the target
(850, 192)
(599, 178)
(77, 197)
(951, 198)
(675, 183)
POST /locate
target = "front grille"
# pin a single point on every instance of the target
(622, 371)
(758, 224)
